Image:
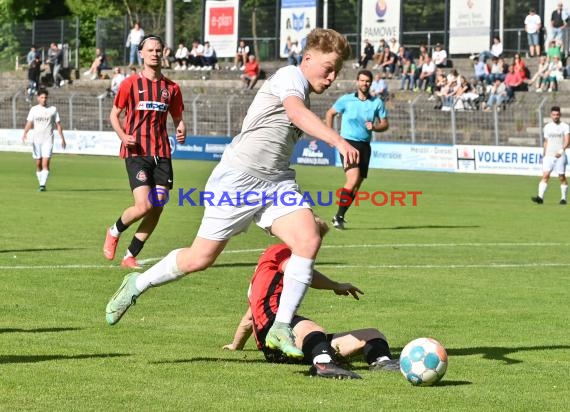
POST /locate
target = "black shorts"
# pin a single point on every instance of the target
(365, 152)
(149, 171)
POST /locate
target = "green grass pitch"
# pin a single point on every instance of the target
(475, 265)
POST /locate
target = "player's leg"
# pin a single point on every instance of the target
(36, 155)
(371, 343)
(45, 160)
(548, 163)
(315, 344)
(561, 171)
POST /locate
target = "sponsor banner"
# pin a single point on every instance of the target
(440, 158)
(298, 18)
(380, 20)
(221, 26)
(499, 160)
(78, 142)
(313, 152)
(469, 26)
(200, 148)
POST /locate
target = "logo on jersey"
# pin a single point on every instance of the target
(141, 176)
(156, 106)
(165, 95)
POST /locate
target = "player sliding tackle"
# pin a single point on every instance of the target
(258, 161)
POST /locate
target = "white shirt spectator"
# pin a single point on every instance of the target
(439, 56)
(532, 22)
(497, 49)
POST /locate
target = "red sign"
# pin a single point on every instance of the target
(221, 20)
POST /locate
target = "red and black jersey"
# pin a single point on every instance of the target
(265, 289)
(147, 104)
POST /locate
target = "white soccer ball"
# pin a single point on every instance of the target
(423, 361)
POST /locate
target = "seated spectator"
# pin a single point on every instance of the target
(394, 45)
(541, 74)
(555, 74)
(116, 81)
(99, 63)
(519, 66)
(167, 58)
(295, 53)
(498, 70)
(496, 50)
(439, 56)
(181, 57)
(466, 94)
(388, 64)
(196, 56)
(423, 54)
(497, 95)
(366, 55)
(210, 57)
(250, 72)
(379, 55)
(241, 57)
(379, 87)
(513, 81)
(427, 75)
(482, 71)
(402, 54)
(553, 50)
(440, 88)
(407, 73)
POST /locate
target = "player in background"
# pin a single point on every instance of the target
(43, 119)
(146, 98)
(361, 114)
(257, 162)
(556, 140)
(264, 295)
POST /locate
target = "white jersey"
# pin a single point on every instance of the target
(44, 119)
(554, 135)
(267, 138)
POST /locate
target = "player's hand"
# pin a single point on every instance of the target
(231, 347)
(368, 125)
(129, 141)
(180, 135)
(24, 138)
(345, 289)
(63, 144)
(350, 154)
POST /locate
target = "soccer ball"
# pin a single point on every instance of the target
(423, 361)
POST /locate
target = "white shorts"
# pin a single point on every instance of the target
(551, 163)
(233, 199)
(42, 150)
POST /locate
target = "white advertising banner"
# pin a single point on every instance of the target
(221, 26)
(469, 26)
(298, 18)
(508, 160)
(380, 20)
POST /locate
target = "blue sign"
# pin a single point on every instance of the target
(199, 148)
(313, 152)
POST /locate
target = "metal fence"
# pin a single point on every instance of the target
(411, 121)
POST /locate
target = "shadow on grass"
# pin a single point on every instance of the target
(37, 330)
(5, 359)
(50, 249)
(243, 359)
(423, 227)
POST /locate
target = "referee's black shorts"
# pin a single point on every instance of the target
(149, 171)
(365, 152)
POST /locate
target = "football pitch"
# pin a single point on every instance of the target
(475, 265)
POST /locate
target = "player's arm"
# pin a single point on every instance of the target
(243, 332)
(329, 117)
(380, 125)
(180, 129)
(115, 119)
(320, 281)
(310, 123)
(60, 131)
(29, 125)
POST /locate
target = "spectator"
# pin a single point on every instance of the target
(379, 56)
(439, 56)
(241, 57)
(366, 55)
(498, 70)
(496, 50)
(250, 72)
(133, 40)
(482, 71)
(55, 62)
(497, 96)
(541, 74)
(407, 73)
(133, 71)
(427, 75)
(466, 94)
(513, 82)
(181, 57)
(295, 53)
(558, 23)
(532, 25)
(166, 58)
(379, 87)
(34, 72)
(423, 53)
(31, 56)
(116, 81)
(403, 53)
(99, 63)
(519, 66)
(555, 74)
(196, 56)
(388, 64)
(210, 58)
(554, 49)
(394, 45)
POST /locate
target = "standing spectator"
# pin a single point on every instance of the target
(532, 25)
(366, 55)
(554, 49)
(439, 56)
(99, 63)
(55, 62)
(147, 98)
(181, 57)
(209, 57)
(241, 56)
(257, 162)
(31, 56)
(556, 140)
(43, 119)
(251, 73)
(34, 72)
(362, 114)
(558, 23)
(497, 95)
(133, 40)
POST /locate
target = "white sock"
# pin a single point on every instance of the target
(296, 280)
(39, 176)
(128, 254)
(114, 231)
(322, 358)
(382, 358)
(163, 272)
(43, 177)
(564, 191)
(542, 189)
